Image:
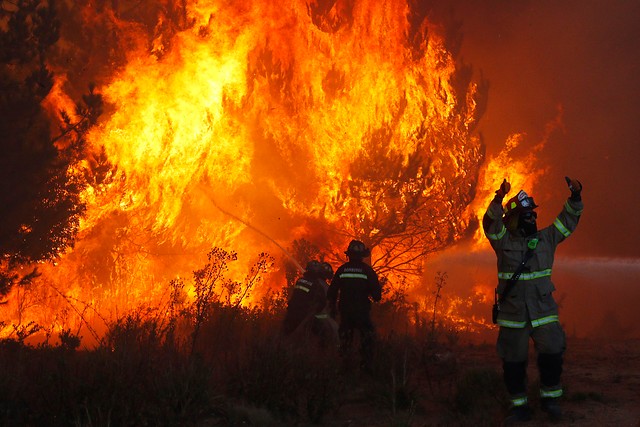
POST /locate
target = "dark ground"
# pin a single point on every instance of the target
(601, 380)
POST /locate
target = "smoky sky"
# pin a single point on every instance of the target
(576, 63)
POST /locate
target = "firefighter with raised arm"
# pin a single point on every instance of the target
(527, 309)
(354, 285)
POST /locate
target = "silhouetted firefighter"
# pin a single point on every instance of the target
(353, 287)
(525, 307)
(307, 312)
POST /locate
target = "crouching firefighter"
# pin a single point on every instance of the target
(307, 312)
(524, 296)
(324, 326)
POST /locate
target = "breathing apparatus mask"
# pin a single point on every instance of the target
(519, 214)
(527, 223)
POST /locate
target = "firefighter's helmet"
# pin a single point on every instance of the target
(327, 271)
(518, 204)
(314, 267)
(357, 249)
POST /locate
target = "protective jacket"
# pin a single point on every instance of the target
(353, 284)
(308, 298)
(531, 298)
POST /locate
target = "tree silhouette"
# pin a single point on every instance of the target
(39, 193)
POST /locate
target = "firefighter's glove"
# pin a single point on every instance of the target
(575, 187)
(503, 190)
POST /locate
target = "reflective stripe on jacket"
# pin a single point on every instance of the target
(354, 284)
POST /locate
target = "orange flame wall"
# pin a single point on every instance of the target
(227, 118)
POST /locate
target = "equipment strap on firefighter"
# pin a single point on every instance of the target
(513, 279)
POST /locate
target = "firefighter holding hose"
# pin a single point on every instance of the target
(307, 313)
(525, 308)
(308, 298)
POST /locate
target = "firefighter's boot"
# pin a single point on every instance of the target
(515, 378)
(550, 366)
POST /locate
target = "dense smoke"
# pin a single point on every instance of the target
(565, 73)
(573, 66)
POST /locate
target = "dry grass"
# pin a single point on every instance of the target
(214, 362)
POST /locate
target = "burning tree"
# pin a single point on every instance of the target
(408, 205)
(410, 184)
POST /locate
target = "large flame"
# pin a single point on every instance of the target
(515, 167)
(243, 124)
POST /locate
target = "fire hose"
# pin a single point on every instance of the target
(257, 230)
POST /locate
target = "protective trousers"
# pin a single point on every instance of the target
(349, 324)
(513, 348)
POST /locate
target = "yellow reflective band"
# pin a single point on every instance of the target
(561, 228)
(322, 316)
(574, 212)
(526, 276)
(302, 288)
(498, 236)
(535, 323)
(511, 324)
(491, 214)
(544, 320)
(353, 276)
(551, 393)
(519, 401)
